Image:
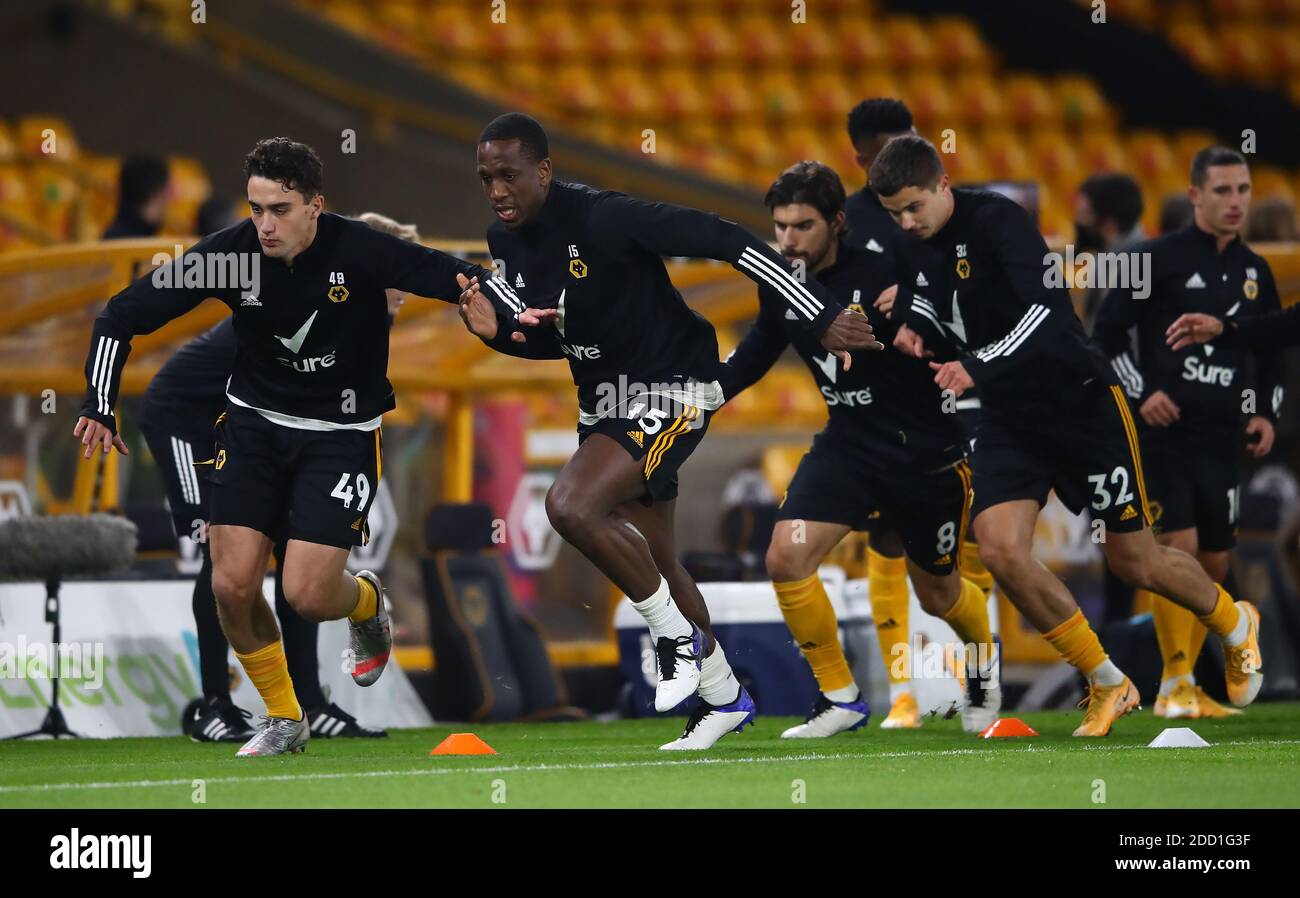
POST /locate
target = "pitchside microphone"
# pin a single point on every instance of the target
(51, 548)
(60, 546)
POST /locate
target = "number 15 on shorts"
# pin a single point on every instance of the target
(343, 490)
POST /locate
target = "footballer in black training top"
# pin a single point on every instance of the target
(300, 439)
(892, 444)
(1053, 418)
(586, 268)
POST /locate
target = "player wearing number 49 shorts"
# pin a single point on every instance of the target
(299, 445)
(1196, 406)
(889, 446)
(1052, 418)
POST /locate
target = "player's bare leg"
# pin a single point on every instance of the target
(1140, 561)
(583, 506)
(239, 559)
(724, 705)
(796, 551)
(319, 587)
(1006, 535)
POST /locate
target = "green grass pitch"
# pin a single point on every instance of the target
(1254, 761)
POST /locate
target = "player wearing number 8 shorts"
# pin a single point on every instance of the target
(893, 444)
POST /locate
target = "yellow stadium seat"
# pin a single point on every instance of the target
(8, 144)
(908, 44)
(1270, 181)
(782, 102)
(659, 40)
(448, 32)
(711, 42)
(730, 95)
(1029, 103)
(966, 165)
(555, 38)
(1246, 54)
(978, 101)
(1053, 154)
(859, 46)
(798, 144)
(929, 96)
(761, 45)
(678, 95)
(1102, 151)
(1238, 10)
(628, 94)
(810, 46)
(778, 464)
(576, 92)
(873, 84)
(1005, 156)
(958, 45)
(828, 100)
(1082, 104)
(605, 38)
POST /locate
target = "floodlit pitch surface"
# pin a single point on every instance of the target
(1254, 761)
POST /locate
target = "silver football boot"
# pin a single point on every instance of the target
(278, 736)
(372, 639)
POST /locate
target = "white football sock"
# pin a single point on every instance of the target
(718, 685)
(662, 614)
(1106, 674)
(1168, 684)
(1239, 632)
(847, 693)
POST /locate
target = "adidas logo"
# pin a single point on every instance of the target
(637, 437)
(874, 246)
(946, 559)
(519, 280)
(1195, 281)
(356, 525)
(1129, 514)
(790, 315)
(807, 646)
(251, 301)
(888, 624)
(1180, 655)
(921, 281)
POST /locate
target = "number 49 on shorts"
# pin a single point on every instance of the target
(343, 490)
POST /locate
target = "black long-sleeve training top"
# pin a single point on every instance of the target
(887, 403)
(870, 226)
(598, 256)
(1206, 382)
(312, 337)
(1274, 331)
(980, 283)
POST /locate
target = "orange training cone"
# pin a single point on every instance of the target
(1005, 727)
(463, 744)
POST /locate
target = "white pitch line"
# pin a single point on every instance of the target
(609, 765)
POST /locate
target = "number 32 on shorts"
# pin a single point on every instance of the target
(343, 490)
(1101, 495)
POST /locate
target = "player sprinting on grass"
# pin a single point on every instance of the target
(300, 438)
(586, 281)
(889, 446)
(1190, 402)
(1052, 417)
(872, 124)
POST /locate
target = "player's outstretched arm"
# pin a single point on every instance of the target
(143, 307)
(669, 230)
(1277, 330)
(527, 333)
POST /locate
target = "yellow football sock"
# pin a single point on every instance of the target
(269, 672)
(887, 589)
(973, 569)
(969, 616)
(1174, 625)
(811, 619)
(1077, 643)
(1197, 642)
(1223, 619)
(367, 601)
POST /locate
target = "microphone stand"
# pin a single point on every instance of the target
(54, 724)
